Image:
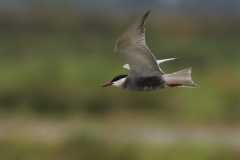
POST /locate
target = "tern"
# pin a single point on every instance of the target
(145, 73)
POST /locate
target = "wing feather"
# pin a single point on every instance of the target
(131, 46)
(158, 62)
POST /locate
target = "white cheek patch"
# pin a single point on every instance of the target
(119, 82)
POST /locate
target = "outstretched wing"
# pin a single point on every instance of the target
(158, 62)
(131, 47)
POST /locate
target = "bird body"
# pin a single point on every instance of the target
(145, 73)
(143, 83)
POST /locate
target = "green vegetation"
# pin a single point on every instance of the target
(61, 72)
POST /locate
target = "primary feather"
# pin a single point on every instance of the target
(158, 62)
(131, 47)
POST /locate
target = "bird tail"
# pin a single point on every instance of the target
(179, 79)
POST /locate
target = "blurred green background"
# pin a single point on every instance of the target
(56, 55)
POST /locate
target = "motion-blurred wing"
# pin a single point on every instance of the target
(164, 60)
(126, 66)
(158, 62)
(131, 47)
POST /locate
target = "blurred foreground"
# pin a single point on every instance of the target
(114, 137)
(52, 105)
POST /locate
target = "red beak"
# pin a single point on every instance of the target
(107, 84)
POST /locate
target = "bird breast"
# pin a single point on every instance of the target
(144, 83)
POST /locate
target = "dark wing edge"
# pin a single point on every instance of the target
(140, 23)
(135, 31)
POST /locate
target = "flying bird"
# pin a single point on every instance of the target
(145, 73)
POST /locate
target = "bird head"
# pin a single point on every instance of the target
(117, 81)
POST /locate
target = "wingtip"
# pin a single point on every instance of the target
(146, 14)
(148, 11)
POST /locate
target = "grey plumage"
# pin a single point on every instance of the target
(131, 47)
(145, 73)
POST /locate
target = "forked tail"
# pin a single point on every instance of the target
(179, 79)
